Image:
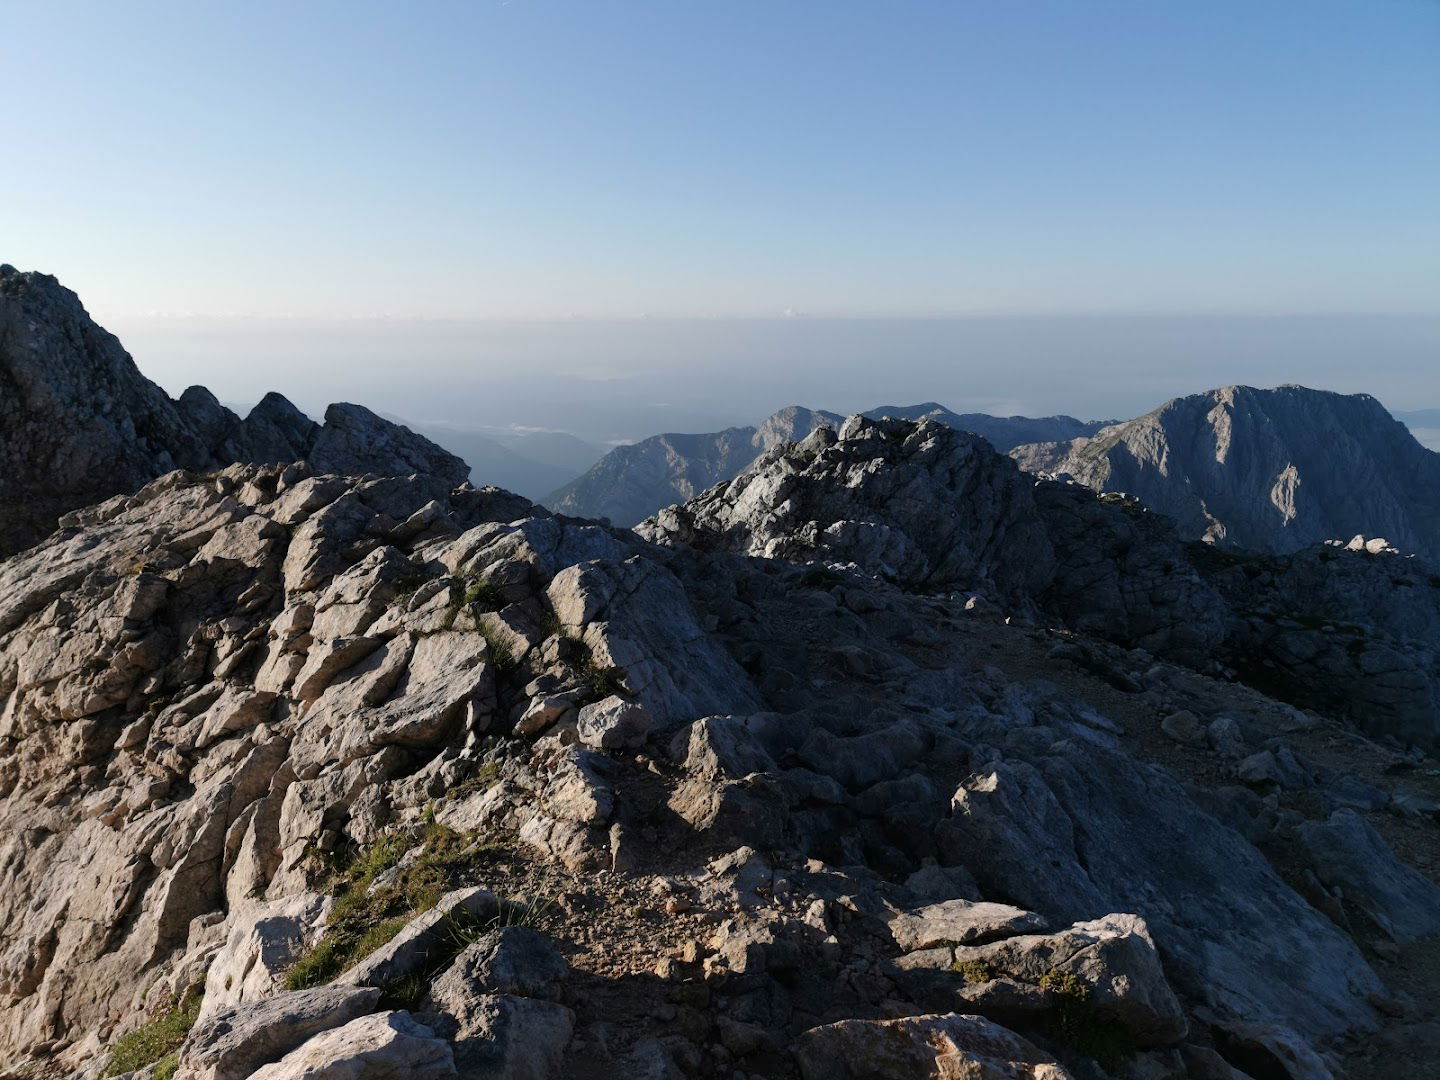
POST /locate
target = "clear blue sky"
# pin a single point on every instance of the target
(540, 158)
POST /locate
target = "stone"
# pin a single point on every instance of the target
(1116, 960)
(542, 713)
(613, 723)
(88, 425)
(382, 1046)
(511, 960)
(1184, 727)
(422, 938)
(576, 790)
(263, 940)
(1225, 737)
(234, 1042)
(502, 1036)
(1347, 853)
(949, 1045)
(961, 922)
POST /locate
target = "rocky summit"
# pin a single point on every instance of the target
(1265, 470)
(79, 423)
(884, 759)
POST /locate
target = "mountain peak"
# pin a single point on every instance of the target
(1267, 469)
(80, 423)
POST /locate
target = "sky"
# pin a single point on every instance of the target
(455, 206)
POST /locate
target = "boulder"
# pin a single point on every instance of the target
(264, 939)
(234, 1042)
(1347, 853)
(1113, 957)
(383, 1046)
(613, 723)
(950, 1045)
(421, 939)
(961, 922)
(511, 960)
(501, 1036)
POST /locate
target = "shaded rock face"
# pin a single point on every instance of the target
(80, 423)
(931, 508)
(785, 791)
(1267, 470)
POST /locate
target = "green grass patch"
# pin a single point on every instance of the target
(156, 1041)
(602, 679)
(364, 916)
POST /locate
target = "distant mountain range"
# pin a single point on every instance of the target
(1270, 470)
(632, 482)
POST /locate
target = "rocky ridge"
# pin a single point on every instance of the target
(882, 760)
(80, 423)
(1265, 470)
(632, 482)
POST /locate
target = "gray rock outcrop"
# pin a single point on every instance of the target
(79, 423)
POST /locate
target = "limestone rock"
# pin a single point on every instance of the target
(950, 1045)
(1347, 853)
(1267, 470)
(421, 938)
(511, 960)
(961, 922)
(613, 724)
(1116, 960)
(501, 1035)
(234, 1042)
(382, 1046)
(79, 423)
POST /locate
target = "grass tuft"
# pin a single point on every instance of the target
(484, 595)
(157, 1041)
(366, 915)
(974, 972)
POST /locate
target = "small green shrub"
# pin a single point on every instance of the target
(1077, 1023)
(156, 1041)
(974, 972)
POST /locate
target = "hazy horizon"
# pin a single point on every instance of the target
(609, 381)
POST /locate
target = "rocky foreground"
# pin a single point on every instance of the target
(882, 760)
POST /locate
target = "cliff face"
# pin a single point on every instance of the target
(1268, 470)
(80, 423)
